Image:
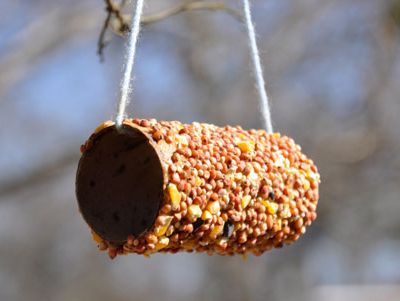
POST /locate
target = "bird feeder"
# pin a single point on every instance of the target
(162, 186)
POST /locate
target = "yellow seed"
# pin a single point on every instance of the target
(160, 230)
(169, 231)
(291, 194)
(162, 243)
(246, 146)
(238, 176)
(276, 135)
(313, 176)
(96, 237)
(103, 126)
(230, 176)
(198, 181)
(217, 230)
(272, 207)
(279, 224)
(194, 212)
(281, 161)
(189, 245)
(206, 215)
(286, 211)
(213, 207)
(174, 195)
(245, 201)
(238, 226)
(182, 141)
(306, 185)
(253, 176)
(203, 243)
(147, 254)
(222, 241)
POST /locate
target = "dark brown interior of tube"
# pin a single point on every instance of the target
(119, 184)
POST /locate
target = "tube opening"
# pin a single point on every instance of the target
(119, 183)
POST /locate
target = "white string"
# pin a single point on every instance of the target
(130, 59)
(131, 52)
(264, 104)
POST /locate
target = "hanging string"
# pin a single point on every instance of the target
(258, 72)
(130, 59)
(131, 52)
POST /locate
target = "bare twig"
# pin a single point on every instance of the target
(102, 43)
(113, 10)
(122, 21)
(191, 6)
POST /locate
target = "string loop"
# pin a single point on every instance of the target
(255, 55)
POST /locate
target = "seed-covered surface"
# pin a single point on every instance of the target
(226, 190)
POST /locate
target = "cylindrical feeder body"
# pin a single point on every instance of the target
(165, 186)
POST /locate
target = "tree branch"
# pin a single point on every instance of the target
(113, 10)
(191, 6)
(121, 26)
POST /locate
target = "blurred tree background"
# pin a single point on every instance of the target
(333, 73)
